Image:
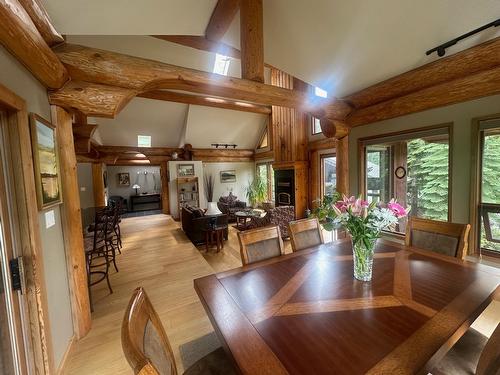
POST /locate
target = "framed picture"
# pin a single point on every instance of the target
(46, 162)
(184, 170)
(123, 179)
(228, 176)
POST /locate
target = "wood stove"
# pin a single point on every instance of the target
(284, 187)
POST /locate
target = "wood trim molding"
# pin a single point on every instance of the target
(62, 365)
(19, 35)
(21, 160)
(72, 224)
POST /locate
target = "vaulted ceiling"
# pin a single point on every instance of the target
(340, 45)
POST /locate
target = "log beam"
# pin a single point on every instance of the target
(342, 154)
(474, 86)
(72, 223)
(42, 21)
(171, 96)
(82, 135)
(165, 205)
(19, 35)
(221, 19)
(252, 40)
(98, 185)
(333, 129)
(111, 79)
(473, 60)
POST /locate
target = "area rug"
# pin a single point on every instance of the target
(193, 351)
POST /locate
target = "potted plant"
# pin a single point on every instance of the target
(324, 210)
(256, 191)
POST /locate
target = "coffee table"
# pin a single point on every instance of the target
(243, 216)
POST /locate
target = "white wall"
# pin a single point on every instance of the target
(84, 172)
(150, 182)
(245, 173)
(16, 78)
(461, 116)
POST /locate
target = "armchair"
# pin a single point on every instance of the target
(279, 216)
(229, 205)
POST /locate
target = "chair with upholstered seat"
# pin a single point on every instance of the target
(438, 236)
(260, 244)
(148, 350)
(474, 353)
(305, 233)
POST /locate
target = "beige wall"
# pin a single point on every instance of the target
(15, 77)
(461, 116)
(245, 173)
(84, 173)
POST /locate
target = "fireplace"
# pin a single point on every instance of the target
(284, 187)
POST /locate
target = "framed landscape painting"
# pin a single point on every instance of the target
(46, 162)
(228, 176)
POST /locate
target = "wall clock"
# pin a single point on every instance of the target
(400, 172)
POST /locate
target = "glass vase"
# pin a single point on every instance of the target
(363, 258)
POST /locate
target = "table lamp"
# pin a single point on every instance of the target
(136, 187)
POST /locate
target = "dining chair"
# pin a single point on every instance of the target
(260, 244)
(438, 236)
(305, 233)
(147, 349)
(474, 353)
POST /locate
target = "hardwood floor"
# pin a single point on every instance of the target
(157, 255)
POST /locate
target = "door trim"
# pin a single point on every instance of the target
(21, 162)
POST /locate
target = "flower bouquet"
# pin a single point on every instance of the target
(365, 222)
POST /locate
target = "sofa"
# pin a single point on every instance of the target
(229, 205)
(279, 216)
(194, 222)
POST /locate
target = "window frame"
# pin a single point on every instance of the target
(269, 165)
(322, 171)
(313, 119)
(404, 135)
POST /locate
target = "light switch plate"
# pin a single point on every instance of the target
(83, 188)
(50, 219)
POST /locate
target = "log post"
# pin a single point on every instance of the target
(252, 40)
(72, 223)
(164, 187)
(343, 165)
(98, 185)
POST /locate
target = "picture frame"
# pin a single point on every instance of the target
(124, 179)
(46, 162)
(185, 170)
(228, 176)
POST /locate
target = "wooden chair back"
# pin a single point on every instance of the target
(305, 233)
(144, 340)
(260, 244)
(489, 361)
(438, 236)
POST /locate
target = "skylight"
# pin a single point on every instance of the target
(221, 65)
(320, 92)
(143, 141)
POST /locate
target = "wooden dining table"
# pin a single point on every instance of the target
(304, 313)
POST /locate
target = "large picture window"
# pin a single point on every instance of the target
(328, 174)
(265, 172)
(413, 167)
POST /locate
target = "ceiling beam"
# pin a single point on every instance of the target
(111, 79)
(252, 40)
(42, 21)
(471, 87)
(221, 19)
(171, 96)
(19, 35)
(470, 61)
(201, 43)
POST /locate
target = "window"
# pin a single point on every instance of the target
(266, 172)
(316, 126)
(489, 240)
(221, 65)
(328, 174)
(411, 167)
(320, 92)
(264, 140)
(143, 141)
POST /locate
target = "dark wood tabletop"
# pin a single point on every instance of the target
(304, 313)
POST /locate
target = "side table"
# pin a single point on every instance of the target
(214, 236)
